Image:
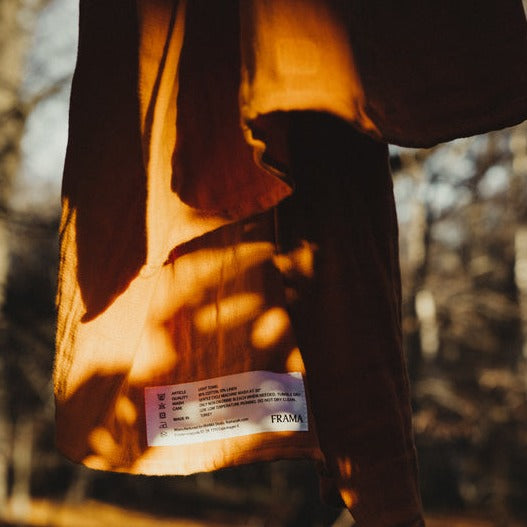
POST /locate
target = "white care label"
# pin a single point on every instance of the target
(234, 405)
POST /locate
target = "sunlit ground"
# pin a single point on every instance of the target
(43, 513)
(94, 514)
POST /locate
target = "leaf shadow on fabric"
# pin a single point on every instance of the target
(227, 315)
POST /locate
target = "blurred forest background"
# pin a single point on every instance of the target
(463, 217)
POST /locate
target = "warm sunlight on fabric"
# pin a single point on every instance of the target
(269, 327)
(294, 361)
(345, 472)
(125, 411)
(299, 261)
(103, 443)
(229, 312)
(345, 467)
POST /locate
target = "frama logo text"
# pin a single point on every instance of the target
(286, 418)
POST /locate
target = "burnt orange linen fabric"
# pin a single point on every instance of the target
(168, 266)
(132, 292)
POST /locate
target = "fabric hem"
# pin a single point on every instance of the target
(492, 121)
(511, 114)
(159, 468)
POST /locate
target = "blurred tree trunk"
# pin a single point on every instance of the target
(11, 56)
(16, 22)
(417, 241)
(518, 147)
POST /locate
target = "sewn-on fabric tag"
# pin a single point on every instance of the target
(234, 405)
